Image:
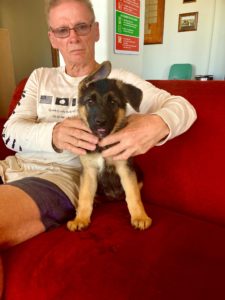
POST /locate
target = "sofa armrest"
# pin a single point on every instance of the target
(3, 150)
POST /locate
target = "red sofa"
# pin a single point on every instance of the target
(182, 256)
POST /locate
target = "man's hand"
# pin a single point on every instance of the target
(74, 136)
(142, 132)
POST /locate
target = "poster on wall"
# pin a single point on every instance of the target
(127, 26)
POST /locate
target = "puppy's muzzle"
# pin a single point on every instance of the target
(101, 126)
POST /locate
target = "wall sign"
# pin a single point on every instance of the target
(127, 26)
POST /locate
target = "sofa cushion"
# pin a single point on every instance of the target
(179, 257)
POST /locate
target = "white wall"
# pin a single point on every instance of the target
(204, 48)
(104, 11)
(217, 59)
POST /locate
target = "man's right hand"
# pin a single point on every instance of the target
(73, 135)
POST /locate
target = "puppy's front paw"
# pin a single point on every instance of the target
(78, 224)
(141, 222)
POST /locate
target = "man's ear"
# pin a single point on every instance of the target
(52, 40)
(97, 32)
(132, 94)
(102, 72)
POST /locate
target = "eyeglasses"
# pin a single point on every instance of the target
(80, 29)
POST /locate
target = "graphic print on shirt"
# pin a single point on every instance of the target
(46, 99)
(74, 102)
(62, 101)
(7, 139)
(23, 94)
(56, 108)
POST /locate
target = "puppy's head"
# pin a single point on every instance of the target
(102, 101)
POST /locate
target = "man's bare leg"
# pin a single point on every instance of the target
(20, 220)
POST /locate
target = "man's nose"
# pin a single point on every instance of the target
(73, 33)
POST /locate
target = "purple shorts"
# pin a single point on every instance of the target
(54, 205)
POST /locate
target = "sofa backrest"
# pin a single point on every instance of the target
(16, 95)
(188, 172)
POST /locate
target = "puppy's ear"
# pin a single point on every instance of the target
(102, 72)
(132, 94)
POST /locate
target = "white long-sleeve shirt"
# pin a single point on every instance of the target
(50, 95)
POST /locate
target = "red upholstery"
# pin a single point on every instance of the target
(17, 95)
(187, 173)
(182, 256)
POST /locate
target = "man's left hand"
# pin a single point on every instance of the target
(142, 132)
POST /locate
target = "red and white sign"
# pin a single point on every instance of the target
(127, 43)
(131, 7)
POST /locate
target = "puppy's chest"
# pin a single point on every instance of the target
(109, 182)
(100, 163)
(106, 170)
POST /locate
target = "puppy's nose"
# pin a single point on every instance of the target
(100, 121)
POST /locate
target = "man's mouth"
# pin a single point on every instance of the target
(76, 50)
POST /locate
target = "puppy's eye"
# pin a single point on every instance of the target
(89, 101)
(112, 101)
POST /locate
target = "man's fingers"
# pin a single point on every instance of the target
(111, 139)
(73, 135)
(79, 143)
(76, 123)
(112, 151)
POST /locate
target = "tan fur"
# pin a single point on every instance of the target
(139, 218)
(88, 186)
(120, 118)
(83, 114)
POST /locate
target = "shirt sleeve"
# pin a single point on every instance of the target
(23, 132)
(175, 111)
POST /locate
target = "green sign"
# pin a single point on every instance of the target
(127, 24)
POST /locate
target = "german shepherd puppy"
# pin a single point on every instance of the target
(102, 106)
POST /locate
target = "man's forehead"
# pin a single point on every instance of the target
(69, 13)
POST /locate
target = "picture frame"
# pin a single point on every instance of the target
(154, 21)
(188, 22)
(188, 1)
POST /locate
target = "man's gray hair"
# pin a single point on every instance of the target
(49, 4)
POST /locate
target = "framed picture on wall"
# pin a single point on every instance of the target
(188, 1)
(188, 22)
(154, 21)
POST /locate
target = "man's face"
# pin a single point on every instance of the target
(75, 49)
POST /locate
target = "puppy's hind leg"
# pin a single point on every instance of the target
(88, 186)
